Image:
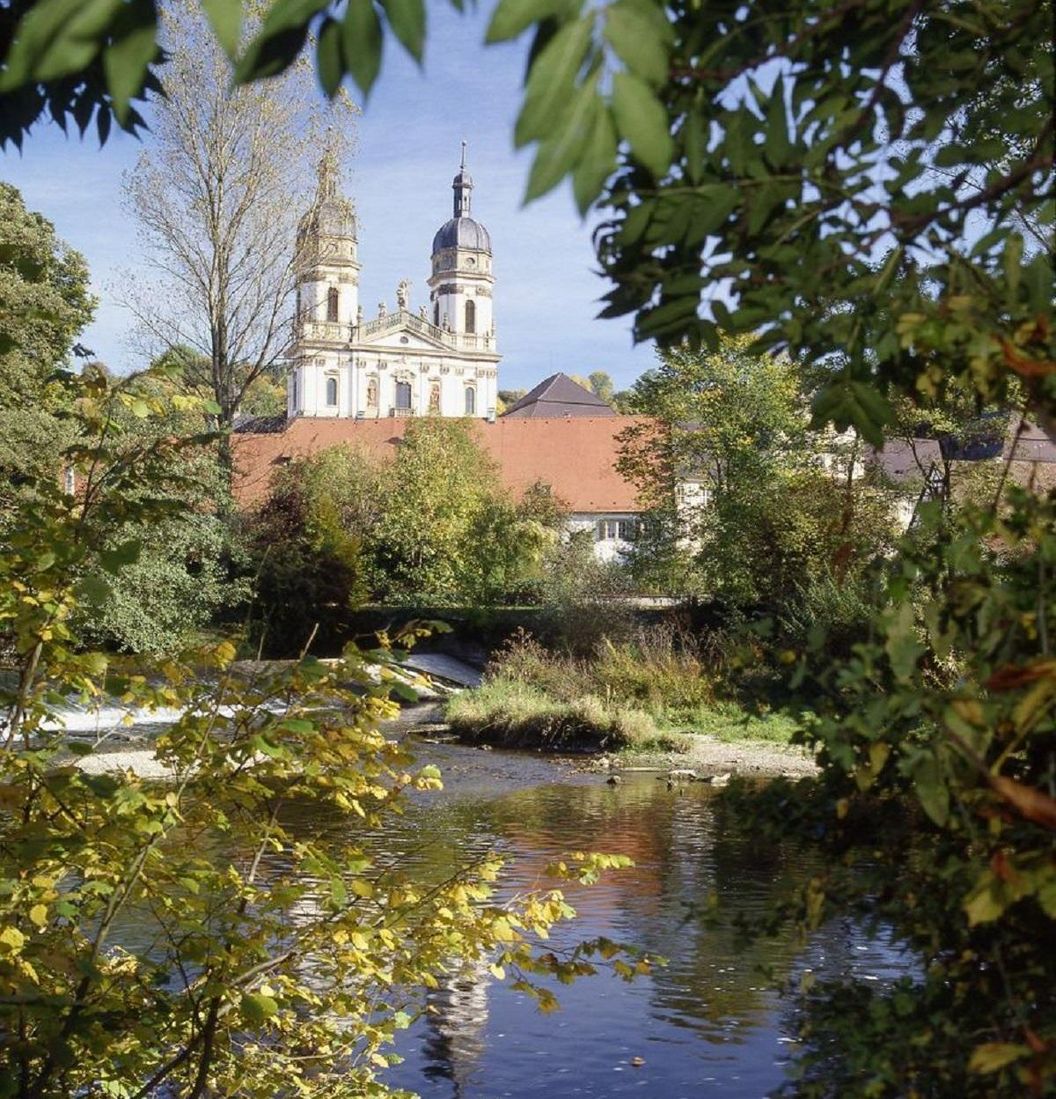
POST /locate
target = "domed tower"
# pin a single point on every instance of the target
(461, 282)
(327, 264)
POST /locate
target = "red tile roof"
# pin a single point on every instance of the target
(575, 457)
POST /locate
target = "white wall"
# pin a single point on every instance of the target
(605, 549)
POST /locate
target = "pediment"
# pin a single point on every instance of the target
(399, 339)
(400, 331)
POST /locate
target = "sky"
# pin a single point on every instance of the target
(408, 145)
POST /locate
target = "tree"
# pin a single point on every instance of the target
(447, 533)
(44, 304)
(601, 385)
(182, 577)
(217, 200)
(308, 544)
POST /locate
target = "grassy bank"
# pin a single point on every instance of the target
(517, 715)
(643, 694)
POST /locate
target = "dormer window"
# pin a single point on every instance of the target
(332, 300)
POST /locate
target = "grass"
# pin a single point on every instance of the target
(642, 694)
(514, 714)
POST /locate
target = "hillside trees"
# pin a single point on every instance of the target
(216, 198)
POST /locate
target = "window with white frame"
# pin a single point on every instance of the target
(331, 392)
(617, 530)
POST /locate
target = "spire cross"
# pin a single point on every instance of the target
(463, 164)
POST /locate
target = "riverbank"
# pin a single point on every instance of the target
(705, 756)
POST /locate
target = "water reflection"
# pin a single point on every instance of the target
(707, 1023)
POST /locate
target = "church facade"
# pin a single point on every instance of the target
(439, 360)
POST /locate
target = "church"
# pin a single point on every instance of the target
(439, 360)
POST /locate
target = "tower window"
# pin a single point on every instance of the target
(331, 303)
(471, 316)
(331, 392)
(403, 395)
(471, 401)
(436, 314)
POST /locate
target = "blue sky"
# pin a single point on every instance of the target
(409, 139)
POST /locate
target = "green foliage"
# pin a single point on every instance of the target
(182, 574)
(44, 304)
(430, 528)
(584, 600)
(307, 546)
(935, 736)
(749, 506)
(76, 59)
(266, 958)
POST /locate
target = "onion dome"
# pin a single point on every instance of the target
(331, 215)
(462, 231)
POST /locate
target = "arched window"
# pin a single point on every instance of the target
(331, 392)
(471, 316)
(372, 393)
(331, 303)
(403, 395)
(436, 314)
(471, 401)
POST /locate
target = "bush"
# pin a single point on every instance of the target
(584, 600)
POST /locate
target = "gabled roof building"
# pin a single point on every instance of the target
(558, 397)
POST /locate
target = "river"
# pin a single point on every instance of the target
(709, 1022)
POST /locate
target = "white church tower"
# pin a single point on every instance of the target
(441, 360)
(462, 281)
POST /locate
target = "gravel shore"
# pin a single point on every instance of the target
(709, 756)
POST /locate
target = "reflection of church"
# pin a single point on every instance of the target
(457, 1014)
(440, 359)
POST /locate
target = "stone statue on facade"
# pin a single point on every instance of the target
(403, 294)
(382, 309)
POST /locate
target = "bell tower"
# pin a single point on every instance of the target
(327, 264)
(462, 281)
